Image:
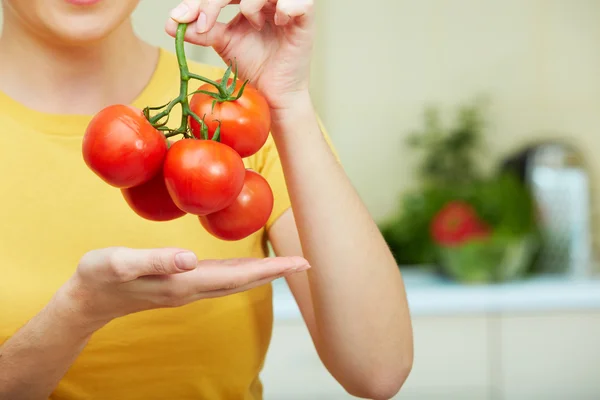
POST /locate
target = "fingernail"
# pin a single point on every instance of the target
(281, 19)
(301, 268)
(258, 22)
(186, 261)
(201, 23)
(180, 11)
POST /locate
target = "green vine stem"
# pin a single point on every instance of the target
(182, 99)
(225, 92)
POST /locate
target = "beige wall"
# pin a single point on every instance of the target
(538, 60)
(149, 20)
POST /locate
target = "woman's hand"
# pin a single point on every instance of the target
(110, 283)
(270, 40)
(114, 282)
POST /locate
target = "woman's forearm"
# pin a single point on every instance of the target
(360, 304)
(35, 358)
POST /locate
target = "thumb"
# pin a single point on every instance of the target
(121, 264)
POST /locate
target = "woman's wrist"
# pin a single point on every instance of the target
(68, 310)
(297, 108)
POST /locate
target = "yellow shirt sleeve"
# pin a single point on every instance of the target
(271, 169)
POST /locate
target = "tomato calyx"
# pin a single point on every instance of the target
(225, 87)
(159, 121)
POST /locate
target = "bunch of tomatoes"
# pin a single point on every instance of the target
(202, 173)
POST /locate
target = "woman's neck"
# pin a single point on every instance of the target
(74, 80)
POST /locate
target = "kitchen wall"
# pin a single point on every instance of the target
(381, 63)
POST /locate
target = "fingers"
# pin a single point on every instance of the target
(205, 30)
(217, 37)
(186, 12)
(290, 10)
(203, 13)
(211, 275)
(214, 278)
(120, 264)
(228, 292)
(252, 10)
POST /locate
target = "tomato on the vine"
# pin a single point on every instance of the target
(203, 176)
(151, 200)
(245, 122)
(122, 147)
(246, 215)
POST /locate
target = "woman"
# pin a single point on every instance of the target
(82, 312)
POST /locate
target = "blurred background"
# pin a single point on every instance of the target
(469, 128)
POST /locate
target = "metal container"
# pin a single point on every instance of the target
(559, 182)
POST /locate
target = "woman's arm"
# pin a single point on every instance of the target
(35, 359)
(353, 299)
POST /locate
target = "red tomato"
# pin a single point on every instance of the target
(203, 176)
(456, 223)
(247, 214)
(122, 147)
(245, 123)
(151, 200)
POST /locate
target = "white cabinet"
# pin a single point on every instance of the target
(451, 359)
(293, 370)
(529, 340)
(550, 356)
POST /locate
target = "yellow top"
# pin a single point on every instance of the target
(54, 209)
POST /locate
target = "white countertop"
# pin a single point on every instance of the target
(430, 295)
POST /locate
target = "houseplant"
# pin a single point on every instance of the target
(492, 213)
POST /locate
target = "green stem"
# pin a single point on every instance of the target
(184, 74)
(222, 91)
(217, 135)
(225, 93)
(172, 133)
(184, 79)
(154, 120)
(203, 127)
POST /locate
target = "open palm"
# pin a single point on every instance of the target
(270, 41)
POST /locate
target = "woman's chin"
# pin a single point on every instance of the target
(80, 31)
(67, 22)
